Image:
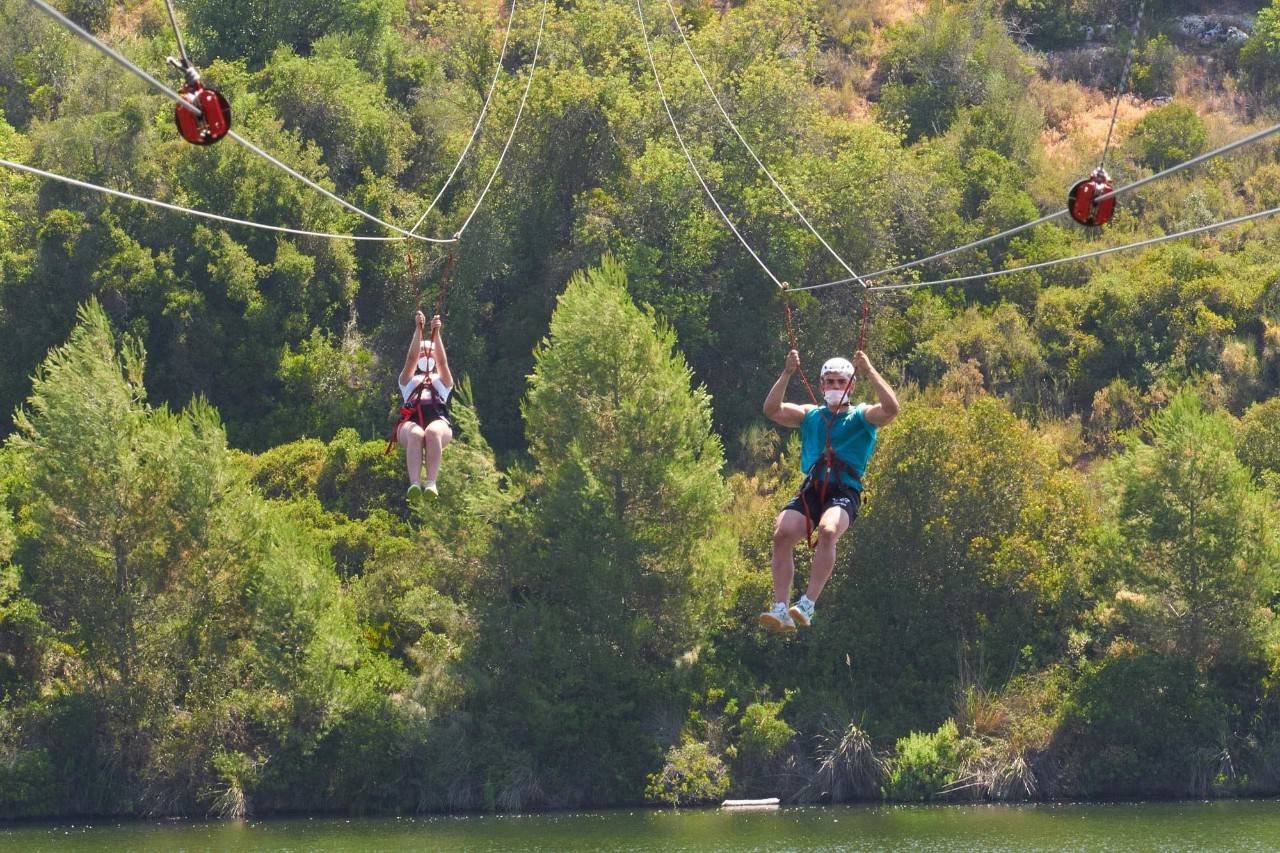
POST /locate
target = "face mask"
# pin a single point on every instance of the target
(425, 364)
(835, 397)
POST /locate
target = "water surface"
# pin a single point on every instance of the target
(1223, 825)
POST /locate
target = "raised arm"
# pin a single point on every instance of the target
(775, 408)
(411, 357)
(885, 408)
(437, 352)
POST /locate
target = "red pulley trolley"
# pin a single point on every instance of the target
(1083, 204)
(215, 113)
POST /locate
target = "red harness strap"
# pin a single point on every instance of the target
(412, 406)
(795, 345)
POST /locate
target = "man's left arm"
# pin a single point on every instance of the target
(885, 408)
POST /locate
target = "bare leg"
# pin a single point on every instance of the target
(410, 438)
(788, 532)
(835, 521)
(437, 438)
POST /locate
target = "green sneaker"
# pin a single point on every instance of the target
(413, 497)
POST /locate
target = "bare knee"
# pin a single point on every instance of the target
(828, 534)
(785, 534)
(408, 434)
(438, 432)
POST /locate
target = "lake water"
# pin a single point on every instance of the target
(1224, 825)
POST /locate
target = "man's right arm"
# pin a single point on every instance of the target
(775, 408)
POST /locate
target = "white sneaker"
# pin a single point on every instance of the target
(802, 612)
(413, 497)
(777, 620)
(430, 492)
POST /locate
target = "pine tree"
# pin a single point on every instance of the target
(617, 554)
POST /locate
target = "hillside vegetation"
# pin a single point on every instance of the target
(213, 598)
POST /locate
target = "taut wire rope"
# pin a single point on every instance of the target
(644, 32)
(734, 127)
(1127, 188)
(475, 131)
(533, 67)
(1190, 232)
(1123, 84)
(187, 210)
(142, 74)
(177, 33)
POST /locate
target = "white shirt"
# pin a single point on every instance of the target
(441, 390)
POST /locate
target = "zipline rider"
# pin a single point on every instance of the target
(425, 428)
(836, 442)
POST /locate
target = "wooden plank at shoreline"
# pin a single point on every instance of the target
(767, 803)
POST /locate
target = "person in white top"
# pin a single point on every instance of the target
(425, 428)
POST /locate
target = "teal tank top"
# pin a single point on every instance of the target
(853, 438)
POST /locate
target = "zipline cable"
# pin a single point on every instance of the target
(21, 167)
(139, 72)
(644, 31)
(1123, 84)
(1191, 232)
(177, 33)
(533, 66)
(1127, 188)
(734, 127)
(475, 131)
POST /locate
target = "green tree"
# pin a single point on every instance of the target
(951, 57)
(621, 511)
(963, 566)
(211, 656)
(252, 31)
(1194, 535)
(1260, 56)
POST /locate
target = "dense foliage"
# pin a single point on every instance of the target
(213, 598)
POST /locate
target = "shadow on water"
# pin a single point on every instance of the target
(1219, 825)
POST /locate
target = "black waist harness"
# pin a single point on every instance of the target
(833, 464)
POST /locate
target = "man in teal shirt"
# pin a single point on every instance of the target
(836, 442)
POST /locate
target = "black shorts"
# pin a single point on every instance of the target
(430, 412)
(810, 501)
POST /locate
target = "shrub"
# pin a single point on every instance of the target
(692, 774)
(924, 765)
(1139, 725)
(1167, 135)
(1260, 55)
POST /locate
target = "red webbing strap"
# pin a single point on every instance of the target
(444, 284)
(413, 279)
(795, 345)
(866, 312)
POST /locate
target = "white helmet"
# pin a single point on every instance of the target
(837, 365)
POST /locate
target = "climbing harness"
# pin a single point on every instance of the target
(419, 411)
(203, 115)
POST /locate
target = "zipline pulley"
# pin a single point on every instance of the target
(214, 119)
(1083, 203)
